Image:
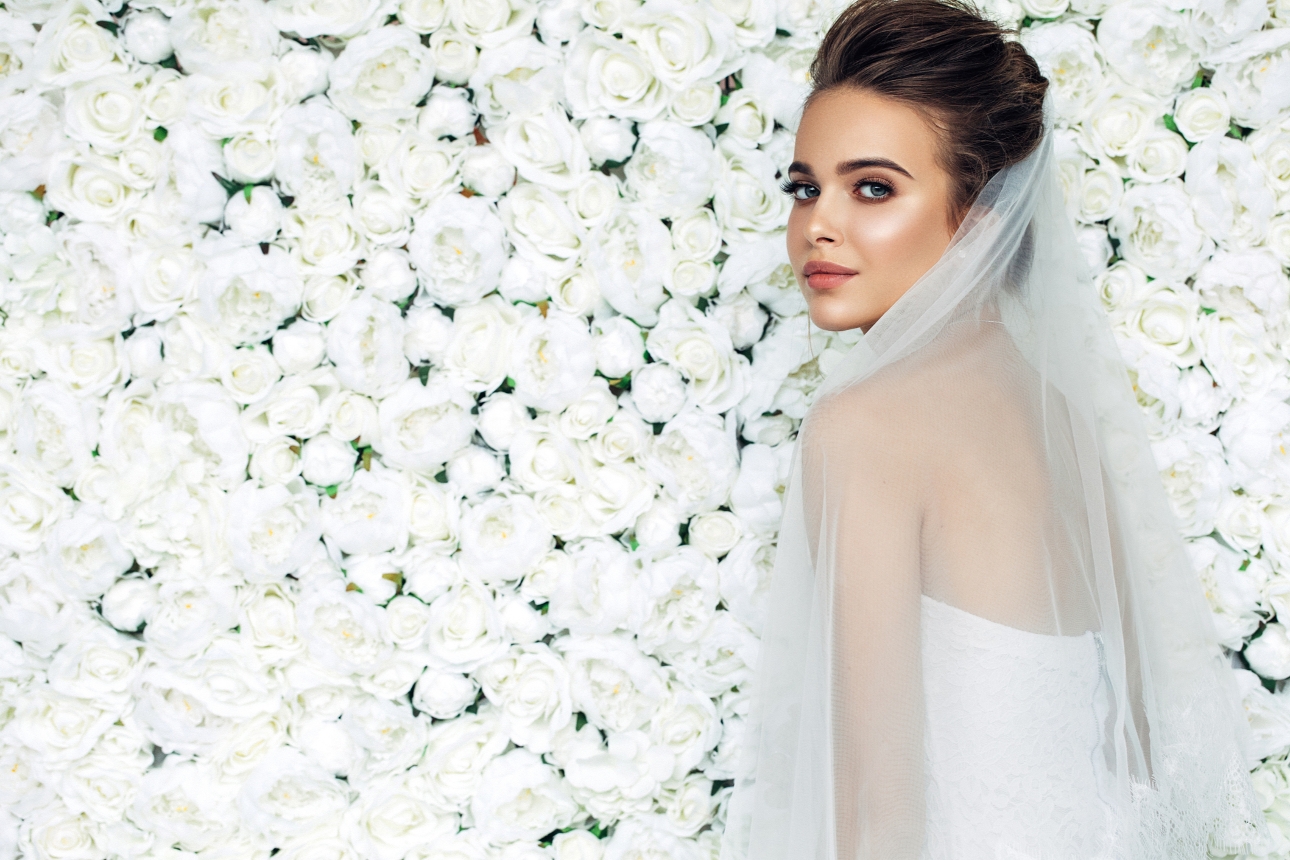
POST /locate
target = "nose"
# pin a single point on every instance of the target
(821, 226)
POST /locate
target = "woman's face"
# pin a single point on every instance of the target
(871, 206)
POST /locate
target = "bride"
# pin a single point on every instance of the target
(986, 638)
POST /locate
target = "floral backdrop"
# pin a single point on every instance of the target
(396, 399)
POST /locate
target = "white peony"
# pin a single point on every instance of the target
(381, 75)
(458, 247)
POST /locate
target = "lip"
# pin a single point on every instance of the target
(823, 275)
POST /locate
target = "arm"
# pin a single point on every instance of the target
(863, 511)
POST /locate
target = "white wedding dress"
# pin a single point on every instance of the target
(1014, 729)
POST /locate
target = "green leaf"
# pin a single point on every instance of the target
(1170, 124)
(230, 187)
(634, 544)
(1199, 80)
(1206, 310)
(442, 477)
(159, 133)
(246, 192)
(169, 63)
(330, 490)
(1234, 130)
(423, 372)
(582, 721)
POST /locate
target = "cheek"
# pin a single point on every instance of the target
(901, 240)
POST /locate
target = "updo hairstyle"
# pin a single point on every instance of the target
(981, 90)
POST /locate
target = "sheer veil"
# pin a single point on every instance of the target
(981, 446)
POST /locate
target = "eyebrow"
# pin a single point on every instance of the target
(854, 164)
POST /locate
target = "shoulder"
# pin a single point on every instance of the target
(880, 423)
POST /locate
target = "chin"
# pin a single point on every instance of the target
(838, 319)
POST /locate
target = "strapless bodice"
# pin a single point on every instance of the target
(1013, 740)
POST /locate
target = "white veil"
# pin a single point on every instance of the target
(990, 408)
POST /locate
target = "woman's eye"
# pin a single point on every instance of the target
(873, 190)
(799, 190)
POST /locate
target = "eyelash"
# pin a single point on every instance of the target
(789, 187)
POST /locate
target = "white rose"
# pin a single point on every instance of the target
(1195, 478)
(317, 158)
(458, 248)
(715, 533)
(343, 630)
(612, 682)
(447, 111)
(1228, 191)
(387, 274)
(250, 156)
(605, 76)
(683, 44)
(595, 198)
(474, 471)
(544, 147)
(303, 70)
(326, 460)
(648, 835)
(1269, 655)
(105, 112)
(271, 530)
(530, 687)
(422, 426)
(744, 579)
(147, 35)
(309, 18)
(422, 168)
(618, 345)
(658, 392)
(615, 777)
(248, 374)
(30, 504)
(502, 537)
(1278, 238)
(300, 346)
(465, 630)
(384, 216)
(747, 121)
(521, 798)
(1236, 355)
(673, 170)
(324, 240)
(455, 55)
(680, 586)
(129, 603)
(700, 348)
(1253, 433)
(585, 416)
(246, 294)
(630, 257)
(1150, 46)
(1158, 232)
(88, 187)
(1161, 154)
(366, 345)
(255, 217)
(59, 728)
(381, 75)
(486, 171)
(500, 418)
(289, 795)
(694, 460)
(208, 36)
(1118, 119)
(392, 818)
(1166, 321)
(353, 416)
(369, 512)
(427, 334)
(275, 461)
(28, 125)
(607, 139)
(742, 317)
(1201, 113)
(577, 845)
(553, 360)
(543, 229)
(747, 200)
(444, 695)
(1251, 74)
(1072, 61)
(1271, 148)
(491, 22)
(295, 407)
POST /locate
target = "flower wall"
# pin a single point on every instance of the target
(396, 399)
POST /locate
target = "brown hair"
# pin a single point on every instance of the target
(980, 90)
